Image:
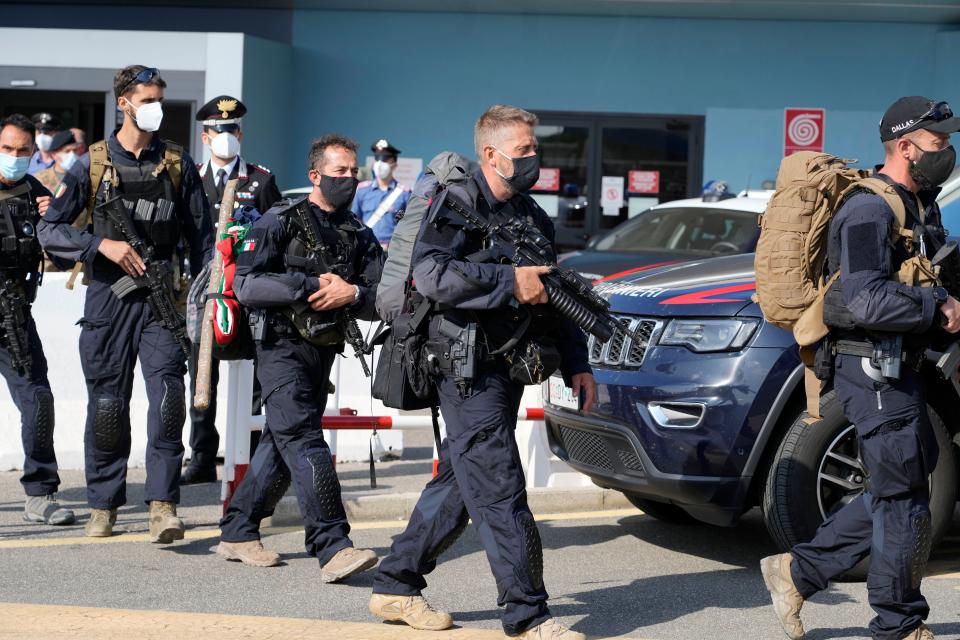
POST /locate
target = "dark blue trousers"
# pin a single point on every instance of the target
(34, 400)
(891, 520)
(114, 333)
(479, 478)
(294, 376)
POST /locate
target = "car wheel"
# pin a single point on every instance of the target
(817, 471)
(662, 511)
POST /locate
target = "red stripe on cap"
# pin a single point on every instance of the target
(706, 297)
(645, 267)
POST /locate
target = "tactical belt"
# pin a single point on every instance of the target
(865, 349)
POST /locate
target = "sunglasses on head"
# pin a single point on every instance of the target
(143, 77)
(938, 112)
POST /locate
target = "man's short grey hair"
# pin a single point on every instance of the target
(490, 126)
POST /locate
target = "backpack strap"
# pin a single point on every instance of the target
(171, 163)
(100, 167)
(894, 201)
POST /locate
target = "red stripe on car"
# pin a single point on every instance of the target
(706, 297)
(635, 270)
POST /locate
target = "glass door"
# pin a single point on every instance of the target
(599, 170)
(564, 186)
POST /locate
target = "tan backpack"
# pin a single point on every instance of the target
(791, 253)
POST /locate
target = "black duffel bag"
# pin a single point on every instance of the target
(402, 380)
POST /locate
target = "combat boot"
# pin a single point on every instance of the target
(787, 601)
(346, 563)
(202, 469)
(251, 553)
(46, 510)
(922, 633)
(413, 610)
(549, 630)
(165, 526)
(100, 524)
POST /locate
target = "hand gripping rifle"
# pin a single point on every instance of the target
(317, 251)
(14, 317)
(157, 277)
(571, 295)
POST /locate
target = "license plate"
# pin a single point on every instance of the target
(561, 395)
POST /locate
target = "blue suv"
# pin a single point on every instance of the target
(700, 415)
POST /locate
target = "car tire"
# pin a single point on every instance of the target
(793, 505)
(662, 511)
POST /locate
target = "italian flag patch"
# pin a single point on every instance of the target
(61, 189)
(248, 245)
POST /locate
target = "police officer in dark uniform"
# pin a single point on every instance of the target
(479, 475)
(303, 287)
(22, 362)
(256, 187)
(869, 309)
(161, 190)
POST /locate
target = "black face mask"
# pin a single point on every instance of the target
(526, 172)
(933, 168)
(338, 191)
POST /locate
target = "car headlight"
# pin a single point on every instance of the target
(704, 336)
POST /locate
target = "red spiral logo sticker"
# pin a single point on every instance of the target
(803, 130)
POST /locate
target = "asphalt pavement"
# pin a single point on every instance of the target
(613, 573)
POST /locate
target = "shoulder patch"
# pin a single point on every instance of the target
(364, 184)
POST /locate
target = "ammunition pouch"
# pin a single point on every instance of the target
(321, 328)
(532, 362)
(918, 271)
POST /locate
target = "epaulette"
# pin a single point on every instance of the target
(260, 168)
(364, 184)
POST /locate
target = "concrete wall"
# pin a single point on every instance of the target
(267, 89)
(421, 79)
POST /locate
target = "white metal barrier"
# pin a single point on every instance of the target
(541, 467)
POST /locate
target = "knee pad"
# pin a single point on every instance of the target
(275, 490)
(326, 486)
(43, 421)
(173, 411)
(532, 548)
(451, 538)
(106, 423)
(922, 539)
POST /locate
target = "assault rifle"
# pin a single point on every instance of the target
(318, 262)
(15, 314)
(571, 295)
(157, 277)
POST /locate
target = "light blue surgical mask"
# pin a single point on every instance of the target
(13, 168)
(67, 160)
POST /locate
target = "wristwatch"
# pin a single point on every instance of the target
(356, 294)
(940, 295)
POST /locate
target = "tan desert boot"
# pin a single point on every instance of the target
(549, 630)
(100, 524)
(251, 553)
(787, 601)
(413, 610)
(922, 633)
(346, 563)
(165, 526)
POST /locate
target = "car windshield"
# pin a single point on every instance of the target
(697, 230)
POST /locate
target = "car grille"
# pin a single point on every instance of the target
(623, 348)
(600, 451)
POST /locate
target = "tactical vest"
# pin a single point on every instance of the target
(338, 235)
(910, 268)
(149, 192)
(20, 251)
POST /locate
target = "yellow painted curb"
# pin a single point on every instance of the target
(55, 622)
